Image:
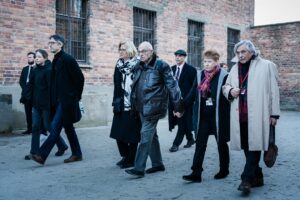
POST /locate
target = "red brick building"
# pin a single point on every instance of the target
(93, 29)
(281, 44)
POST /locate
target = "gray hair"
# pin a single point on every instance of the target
(248, 44)
(147, 45)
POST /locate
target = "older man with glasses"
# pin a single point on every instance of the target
(152, 84)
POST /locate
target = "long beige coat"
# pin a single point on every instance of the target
(262, 100)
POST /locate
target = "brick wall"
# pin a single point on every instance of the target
(27, 24)
(280, 43)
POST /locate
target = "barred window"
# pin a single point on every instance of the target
(195, 43)
(71, 23)
(233, 37)
(144, 26)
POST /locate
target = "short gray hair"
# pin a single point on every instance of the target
(249, 45)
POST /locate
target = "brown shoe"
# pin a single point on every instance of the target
(245, 187)
(73, 159)
(38, 159)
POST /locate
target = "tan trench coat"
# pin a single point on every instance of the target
(262, 99)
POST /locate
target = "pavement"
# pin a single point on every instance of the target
(98, 177)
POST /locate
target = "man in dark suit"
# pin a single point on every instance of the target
(26, 75)
(185, 75)
(67, 83)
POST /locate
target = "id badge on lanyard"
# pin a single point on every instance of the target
(209, 102)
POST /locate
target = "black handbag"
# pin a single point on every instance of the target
(271, 155)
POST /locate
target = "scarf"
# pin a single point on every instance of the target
(204, 86)
(126, 68)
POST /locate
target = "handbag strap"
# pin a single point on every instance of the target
(272, 134)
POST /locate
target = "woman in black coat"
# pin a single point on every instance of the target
(125, 126)
(211, 115)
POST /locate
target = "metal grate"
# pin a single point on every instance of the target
(144, 23)
(71, 23)
(233, 37)
(195, 43)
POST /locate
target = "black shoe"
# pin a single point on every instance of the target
(155, 169)
(189, 144)
(121, 162)
(28, 157)
(257, 182)
(28, 132)
(61, 152)
(245, 187)
(221, 174)
(135, 173)
(193, 177)
(126, 165)
(174, 148)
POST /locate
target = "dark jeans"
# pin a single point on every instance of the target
(182, 131)
(127, 150)
(201, 143)
(41, 122)
(251, 169)
(28, 113)
(56, 127)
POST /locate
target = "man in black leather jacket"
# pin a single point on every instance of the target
(153, 82)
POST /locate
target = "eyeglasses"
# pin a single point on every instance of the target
(143, 51)
(241, 52)
(51, 43)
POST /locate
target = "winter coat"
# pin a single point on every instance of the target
(159, 83)
(262, 101)
(67, 83)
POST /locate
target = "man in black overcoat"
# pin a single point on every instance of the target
(185, 74)
(26, 75)
(67, 83)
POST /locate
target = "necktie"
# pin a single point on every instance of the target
(29, 69)
(177, 74)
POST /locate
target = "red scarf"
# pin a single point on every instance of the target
(204, 86)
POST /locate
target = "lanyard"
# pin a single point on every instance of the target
(242, 80)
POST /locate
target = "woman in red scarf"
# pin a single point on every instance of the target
(211, 115)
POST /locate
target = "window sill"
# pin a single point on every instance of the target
(85, 66)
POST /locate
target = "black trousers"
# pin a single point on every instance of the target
(251, 168)
(127, 150)
(183, 130)
(205, 129)
(28, 113)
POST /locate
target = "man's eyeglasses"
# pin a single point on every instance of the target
(51, 43)
(143, 51)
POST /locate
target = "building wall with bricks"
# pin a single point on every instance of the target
(280, 43)
(27, 24)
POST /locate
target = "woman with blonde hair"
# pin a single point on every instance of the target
(125, 126)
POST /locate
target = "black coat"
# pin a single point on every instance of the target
(40, 84)
(67, 83)
(25, 96)
(186, 80)
(126, 125)
(158, 84)
(222, 114)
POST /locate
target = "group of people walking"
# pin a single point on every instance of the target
(238, 106)
(51, 94)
